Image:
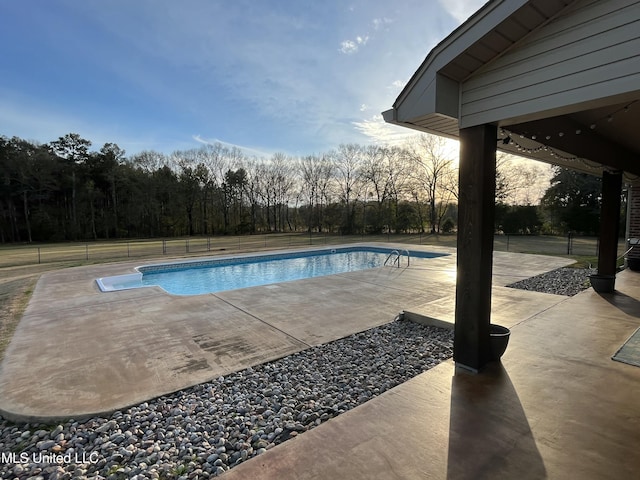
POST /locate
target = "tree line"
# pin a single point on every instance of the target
(63, 191)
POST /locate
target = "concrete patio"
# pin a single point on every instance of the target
(557, 407)
(79, 352)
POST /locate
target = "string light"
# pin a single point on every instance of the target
(609, 118)
(543, 148)
(509, 139)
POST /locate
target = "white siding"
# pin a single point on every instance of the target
(588, 52)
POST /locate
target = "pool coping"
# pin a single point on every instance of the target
(107, 284)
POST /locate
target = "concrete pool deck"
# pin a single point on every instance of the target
(78, 352)
(556, 407)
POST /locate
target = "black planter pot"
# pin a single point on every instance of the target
(603, 283)
(633, 264)
(499, 337)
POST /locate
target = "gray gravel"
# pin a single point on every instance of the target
(563, 281)
(205, 430)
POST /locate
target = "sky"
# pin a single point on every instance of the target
(293, 76)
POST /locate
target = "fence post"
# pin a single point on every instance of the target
(86, 251)
(38, 255)
(569, 246)
(164, 247)
(208, 244)
(508, 238)
(128, 250)
(186, 245)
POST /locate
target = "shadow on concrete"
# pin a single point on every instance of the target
(489, 435)
(623, 302)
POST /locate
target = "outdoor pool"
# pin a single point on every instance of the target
(216, 275)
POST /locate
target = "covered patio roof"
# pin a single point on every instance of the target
(553, 80)
(559, 78)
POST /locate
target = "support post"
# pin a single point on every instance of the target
(476, 213)
(604, 281)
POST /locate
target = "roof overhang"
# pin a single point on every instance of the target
(430, 100)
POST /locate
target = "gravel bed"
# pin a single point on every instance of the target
(203, 431)
(563, 281)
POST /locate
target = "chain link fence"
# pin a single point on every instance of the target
(118, 250)
(573, 245)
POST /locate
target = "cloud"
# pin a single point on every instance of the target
(352, 46)
(255, 65)
(348, 47)
(461, 9)
(382, 133)
(249, 151)
(379, 23)
(250, 72)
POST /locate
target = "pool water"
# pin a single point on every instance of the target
(197, 278)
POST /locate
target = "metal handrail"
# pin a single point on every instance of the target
(634, 242)
(398, 256)
(397, 253)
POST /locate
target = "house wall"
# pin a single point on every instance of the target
(587, 53)
(633, 217)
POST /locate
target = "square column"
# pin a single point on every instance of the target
(476, 211)
(604, 281)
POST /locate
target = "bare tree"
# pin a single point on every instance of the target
(316, 174)
(520, 181)
(347, 161)
(220, 161)
(433, 171)
(398, 170)
(149, 161)
(254, 188)
(377, 180)
(278, 185)
(309, 186)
